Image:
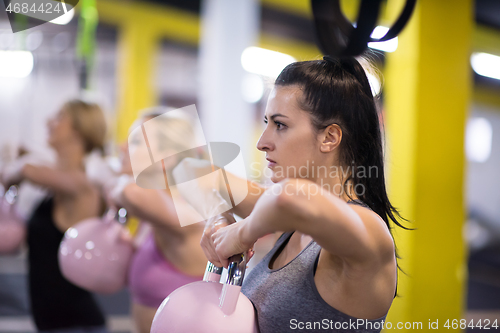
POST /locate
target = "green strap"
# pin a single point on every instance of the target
(86, 39)
(21, 22)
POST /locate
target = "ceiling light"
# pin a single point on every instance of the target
(388, 46)
(264, 62)
(16, 63)
(64, 19)
(486, 64)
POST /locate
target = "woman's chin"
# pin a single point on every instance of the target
(275, 179)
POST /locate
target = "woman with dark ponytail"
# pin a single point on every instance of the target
(334, 267)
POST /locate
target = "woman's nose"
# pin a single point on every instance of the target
(264, 143)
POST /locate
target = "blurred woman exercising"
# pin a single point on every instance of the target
(171, 255)
(335, 258)
(58, 305)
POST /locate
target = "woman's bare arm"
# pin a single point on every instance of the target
(255, 190)
(69, 182)
(154, 206)
(358, 236)
(200, 193)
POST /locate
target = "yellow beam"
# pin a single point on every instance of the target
(141, 25)
(349, 8)
(428, 86)
(296, 7)
(137, 47)
(299, 50)
(179, 25)
(165, 21)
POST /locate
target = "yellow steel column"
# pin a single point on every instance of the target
(428, 88)
(137, 46)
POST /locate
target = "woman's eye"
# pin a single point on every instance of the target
(279, 125)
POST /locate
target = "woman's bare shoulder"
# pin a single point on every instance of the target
(379, 233)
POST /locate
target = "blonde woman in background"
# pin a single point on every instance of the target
(171, 255)
(56, 304)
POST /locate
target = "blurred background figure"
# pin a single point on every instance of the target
(56, 304)
(168, 255)
(439, 104)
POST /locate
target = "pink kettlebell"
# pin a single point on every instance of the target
(209, 306)
(95, 254)
(12, 228)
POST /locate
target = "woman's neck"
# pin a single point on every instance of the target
(333, 182)
(70, 157)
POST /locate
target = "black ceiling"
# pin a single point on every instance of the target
(488, 13)
(190, 5)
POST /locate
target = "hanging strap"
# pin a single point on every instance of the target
(338, 37)
(86, 40)
(400, 23)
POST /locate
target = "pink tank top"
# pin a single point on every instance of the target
(152, 278)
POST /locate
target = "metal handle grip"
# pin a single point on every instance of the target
(211, 268)
(236, 269)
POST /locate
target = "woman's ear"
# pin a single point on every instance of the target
(331, 138)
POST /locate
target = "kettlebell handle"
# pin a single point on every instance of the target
(231, 289)
(11, 194)
(10, 197)
(236, 269)
(212, 273)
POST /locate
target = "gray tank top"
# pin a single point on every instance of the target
(287, 300)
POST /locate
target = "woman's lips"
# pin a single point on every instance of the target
(271, 163)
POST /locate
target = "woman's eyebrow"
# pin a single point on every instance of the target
(276, 115)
